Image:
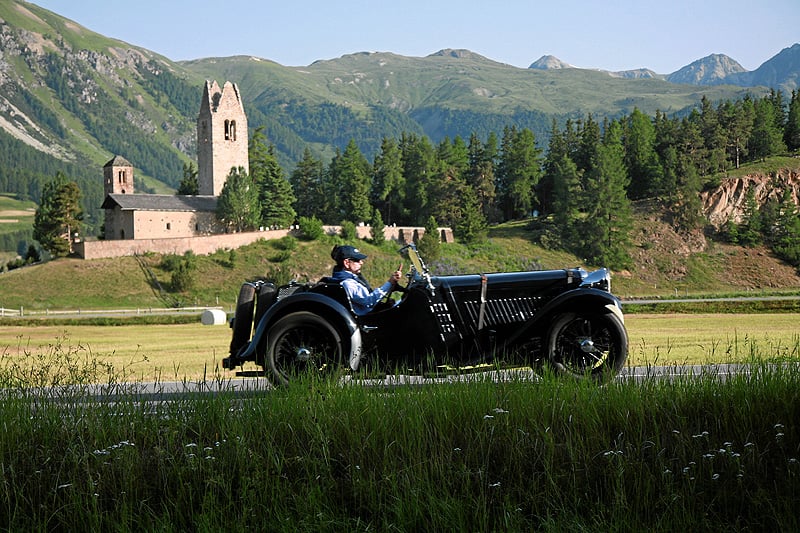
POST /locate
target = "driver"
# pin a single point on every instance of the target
(348, 270)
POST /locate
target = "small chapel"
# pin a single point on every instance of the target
(221, 145)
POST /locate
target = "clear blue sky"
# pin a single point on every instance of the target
(661, 35)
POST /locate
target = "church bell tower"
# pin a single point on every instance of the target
(221, 136)
(118, 176)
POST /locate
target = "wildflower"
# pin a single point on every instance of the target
(499, 410)
(487, 416)
(715, 477)
(493, 485)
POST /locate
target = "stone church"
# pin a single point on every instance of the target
(221, 145)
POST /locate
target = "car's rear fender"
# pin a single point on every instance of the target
(580, 299)
(328, 308)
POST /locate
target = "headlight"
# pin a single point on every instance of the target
(599, 279)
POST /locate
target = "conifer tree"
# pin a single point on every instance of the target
(609, 219)
(791, 134)
(275, 194)
(58, 216)
(518, 172)
(766, 138)
(480, 175)
(352, 183)
(750, 227)
(417, 156)
(430, 244)
(640, 157)
(388, 189)
(237, 207)
(307, 181)
(188, 185)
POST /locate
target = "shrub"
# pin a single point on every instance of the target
(348, 232)
(311, 228)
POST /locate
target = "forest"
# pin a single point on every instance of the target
(578, 192)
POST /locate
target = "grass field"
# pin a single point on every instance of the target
(178, 351)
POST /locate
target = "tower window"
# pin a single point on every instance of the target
(169, 226)
(230, 130)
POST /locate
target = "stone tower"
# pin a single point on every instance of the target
(118, 176)
(221, 136)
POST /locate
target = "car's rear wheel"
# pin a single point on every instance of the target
(302, 343)
(588, 345)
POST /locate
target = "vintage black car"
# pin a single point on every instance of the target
(566, 319)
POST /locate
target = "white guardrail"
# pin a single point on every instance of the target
(21, 312)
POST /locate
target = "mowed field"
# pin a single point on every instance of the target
(192, 351)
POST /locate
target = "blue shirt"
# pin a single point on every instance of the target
(361, 297)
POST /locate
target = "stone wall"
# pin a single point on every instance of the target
(211, 243)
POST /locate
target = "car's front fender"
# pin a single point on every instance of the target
(319, 304)
(570, 301)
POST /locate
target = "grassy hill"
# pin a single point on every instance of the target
(123, 283)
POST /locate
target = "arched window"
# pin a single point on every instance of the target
(233, 130)
(227, 130)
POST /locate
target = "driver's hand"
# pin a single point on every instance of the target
(396, 277)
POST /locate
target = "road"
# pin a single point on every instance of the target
(250, 385)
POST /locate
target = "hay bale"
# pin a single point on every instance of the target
(213, 317)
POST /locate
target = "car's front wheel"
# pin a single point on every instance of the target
(588, 345)
(302, 343)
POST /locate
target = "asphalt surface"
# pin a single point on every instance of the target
(250, 385)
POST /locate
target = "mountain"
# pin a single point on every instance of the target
(70, 99)
(548, 62)
(780, 72)
(710, 70)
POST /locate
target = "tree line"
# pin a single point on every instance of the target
(579, 191)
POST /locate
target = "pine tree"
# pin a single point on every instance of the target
(430, 244)
(766, 138)
(188, 185)
(58, 216)
(377, 227)
(609, 219)
(417, 156)
(791, 135)
(306, 181)
(480, 175)
(237, 207)
(750, 227)
(518, 172)
(471, 226)
(275, 194)
(352, 183)
(640, 157)
(787, 230)
(388, 190)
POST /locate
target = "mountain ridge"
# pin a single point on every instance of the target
(79, 98)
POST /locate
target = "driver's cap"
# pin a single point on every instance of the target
(340, 253)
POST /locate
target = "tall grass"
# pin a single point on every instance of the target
(692, 452)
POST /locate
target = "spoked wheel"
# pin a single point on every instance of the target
(302, 343)
(588, 345)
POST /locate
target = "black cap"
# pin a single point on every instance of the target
(340, 253)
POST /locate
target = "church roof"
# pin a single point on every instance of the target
(118, 161)
(160, 202)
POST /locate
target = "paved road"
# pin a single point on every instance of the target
(253, 385)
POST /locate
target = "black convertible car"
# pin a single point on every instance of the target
(567, 319)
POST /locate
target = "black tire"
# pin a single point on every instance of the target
(588, 345)
(302, 343)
